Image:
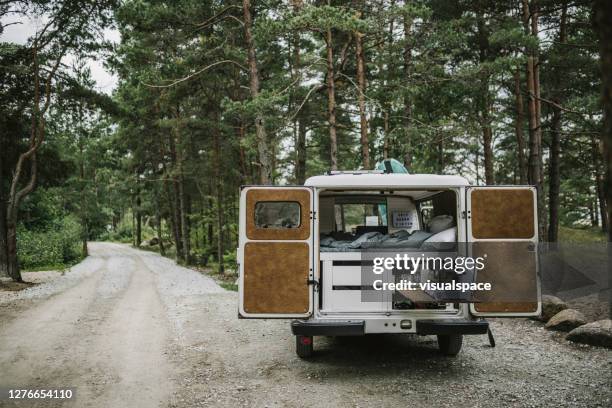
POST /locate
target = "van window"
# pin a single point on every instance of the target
(277, 214)
(444, 203)
(350, 216)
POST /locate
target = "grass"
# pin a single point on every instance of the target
(54, 267)
(587, 234)
(229, 286)
(226, 280)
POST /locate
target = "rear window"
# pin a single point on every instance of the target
(277, 214)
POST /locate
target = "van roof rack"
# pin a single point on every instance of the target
(338, 172)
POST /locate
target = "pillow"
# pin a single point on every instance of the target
(440, 223)
(443, 240)
(448, 235)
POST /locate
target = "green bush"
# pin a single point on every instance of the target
(57, 246)
(229, 259)
(123, 233)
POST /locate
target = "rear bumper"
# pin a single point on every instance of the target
(357, 327)
(452, 326)
(333, 328)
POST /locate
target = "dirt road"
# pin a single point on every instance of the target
(128, 328)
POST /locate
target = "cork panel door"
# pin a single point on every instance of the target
(502, 227)
(275, 252)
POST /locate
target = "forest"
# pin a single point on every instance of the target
(212, 95)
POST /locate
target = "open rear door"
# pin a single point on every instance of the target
(502, 226)
(275, 252)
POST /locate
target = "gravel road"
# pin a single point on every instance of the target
(129, 328)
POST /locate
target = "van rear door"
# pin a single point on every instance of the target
(275, 252)
(502, 227)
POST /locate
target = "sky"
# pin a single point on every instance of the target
(19, 33)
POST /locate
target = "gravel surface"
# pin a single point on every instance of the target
(130, 328)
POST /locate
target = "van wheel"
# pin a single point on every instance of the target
(450, 344)
(303, 346)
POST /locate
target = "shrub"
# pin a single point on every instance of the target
(123, 233)
(229, 259)
(57, 246)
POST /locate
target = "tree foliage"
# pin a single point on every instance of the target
(213, 95)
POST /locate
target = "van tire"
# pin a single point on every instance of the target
(303, 346)
(450, 344)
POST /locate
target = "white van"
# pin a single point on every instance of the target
(301, 249)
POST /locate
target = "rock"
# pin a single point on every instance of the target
(551, 305)
(566, 320)
(598, 333)
(154, 241)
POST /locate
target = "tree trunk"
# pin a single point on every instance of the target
(386, 135)
(172, 219)
(538, 106)
(158, 221)
(485, 100)
(219, 188)
(299, 124)
(210, 233)
(4, 268)
(535, 131)
(4, 265)
(477, 164)
(300, 165)
(13, 263)
(245, 176)
(440, 163)
(407, 120)
(176, 204)
(518, 127)
(553, 177)
(555, 144)
(487, 139)
(600, 186)
(133, 222)
(82, 210)
(182, 196)
(603, 26)
(361, 83)
(331, 102)
(186, 242)
(137, 212)
(265, 162)
(176, 224)
(603, 204)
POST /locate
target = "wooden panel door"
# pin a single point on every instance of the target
(502, 226)
(275, 252)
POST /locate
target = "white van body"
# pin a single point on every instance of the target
(286, 273)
